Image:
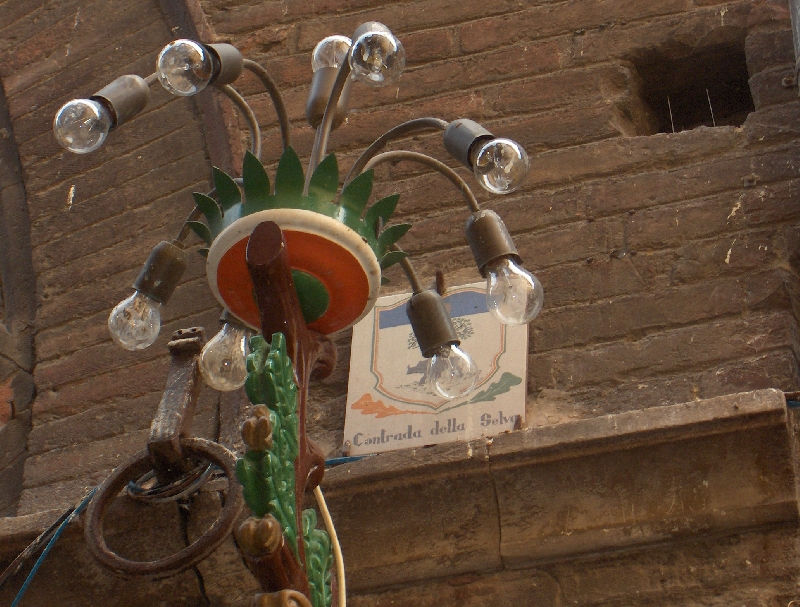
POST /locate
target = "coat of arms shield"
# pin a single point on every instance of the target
(391, 406)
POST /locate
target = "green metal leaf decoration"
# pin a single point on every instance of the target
(228, 192)
(391, 258)
(356, 193)
(318, 560)
(203, 252)
(325, 181)
(211, 211)
(390, 236)
(257, 188)
(268, 477)
(289, 182)
(381, 210)
(289, 179)
(201, 230)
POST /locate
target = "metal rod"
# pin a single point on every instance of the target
(412, 126)
(411, 275)
(321, 144)
(669, 105)
(252, 122)
(275, 96)
(442, 168)
(307, 184)
(151, 79)
(713, 120)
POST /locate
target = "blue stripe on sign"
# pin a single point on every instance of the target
(464, 303)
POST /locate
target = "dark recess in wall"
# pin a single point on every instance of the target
(686, 85)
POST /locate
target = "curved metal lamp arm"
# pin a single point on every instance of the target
(275, 96)
(324, 129)
(252, 122)
(411, 275)
(412, 126)
(442, 168)
(151, 79)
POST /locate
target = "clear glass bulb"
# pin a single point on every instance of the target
(378, 58)
(223, 361)
(82, 125)
(500, 165)
(451, 372)
(513, 295)
(135, 322)
(184, 67)
(330, 52)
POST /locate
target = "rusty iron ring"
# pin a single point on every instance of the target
(191, 555)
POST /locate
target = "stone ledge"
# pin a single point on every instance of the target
(16, 532)
(552, 493)
(546, 495)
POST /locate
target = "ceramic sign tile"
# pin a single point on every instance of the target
(389, 404)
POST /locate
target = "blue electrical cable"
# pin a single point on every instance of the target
(85, 502)
(337, 461)
(78, 509)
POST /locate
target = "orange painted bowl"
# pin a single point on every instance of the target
(325, 255)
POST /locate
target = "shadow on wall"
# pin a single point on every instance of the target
(17, 314)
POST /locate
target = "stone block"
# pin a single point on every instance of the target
(767, 49)
(386, 545)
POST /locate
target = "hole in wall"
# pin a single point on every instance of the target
(708, 87)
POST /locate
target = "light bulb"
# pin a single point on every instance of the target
(223, 359)
(451, 372)
(184, 67)
(500, 165)
(378, 58)
(82, 125)
(513, 295)
(135, 322)
(330, 52)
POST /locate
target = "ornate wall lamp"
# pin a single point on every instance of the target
(297, 260)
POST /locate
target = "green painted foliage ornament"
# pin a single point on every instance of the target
(267, 473)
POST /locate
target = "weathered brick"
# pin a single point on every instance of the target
(401, 18)
(674, 350)
(88, 215)
(77, 35)
(554, 19)
(774, 370)
(122, 381)
(671, 35)
(622, 155)
(82, 460)
(175, 145)
(773, 123)
(768, 88)
(768, 49)
(605, 320)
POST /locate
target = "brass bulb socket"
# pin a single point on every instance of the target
(489, 239)
(228, 63)
(460, 138)
(321, 86)
(124, 98)
(161, 272)
(430, 322)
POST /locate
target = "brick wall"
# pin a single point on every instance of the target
(93, 220)
(669, 260)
